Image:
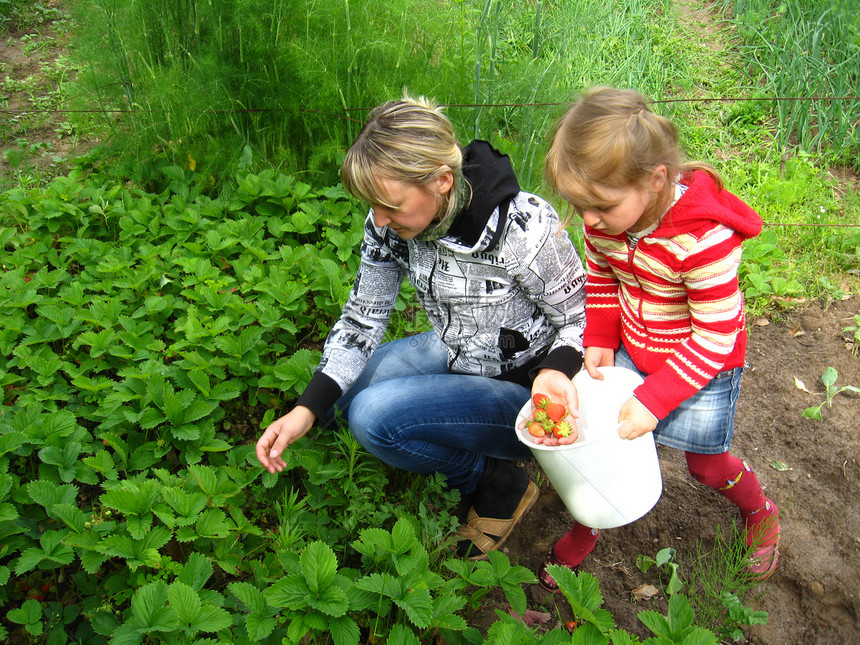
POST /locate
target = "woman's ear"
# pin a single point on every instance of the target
(443, 183)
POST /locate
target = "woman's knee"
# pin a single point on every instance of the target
(365, 422)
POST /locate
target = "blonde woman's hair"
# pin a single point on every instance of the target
(610, 138)
(409, 140)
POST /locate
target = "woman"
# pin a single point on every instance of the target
(501, 284)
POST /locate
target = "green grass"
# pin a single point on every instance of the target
(805, 49)
(289, 81)
(185, 72)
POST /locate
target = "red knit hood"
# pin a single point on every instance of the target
(702, 204)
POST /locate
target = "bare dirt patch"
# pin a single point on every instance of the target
(36, 136)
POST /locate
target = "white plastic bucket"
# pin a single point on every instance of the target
(604, 481)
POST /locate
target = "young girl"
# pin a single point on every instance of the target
(504, 289)
(663, 244)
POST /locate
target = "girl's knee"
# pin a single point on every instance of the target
(712, 470)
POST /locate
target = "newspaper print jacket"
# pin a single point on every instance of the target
(497, 305)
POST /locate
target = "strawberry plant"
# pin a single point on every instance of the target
(147, 338)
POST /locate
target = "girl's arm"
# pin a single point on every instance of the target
(710, 277)
(602, 307)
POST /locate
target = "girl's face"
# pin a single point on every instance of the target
(414, 206)
(619, 210)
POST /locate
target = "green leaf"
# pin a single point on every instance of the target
(150, 610)
(250, 595)
(402, 635)
(138, 525)
(259, 627)
(403, 536)
(187, 505)
(29, 615)
(212, 619)
(196, 572)
(829, 377)
(656, 622)
(681, 615)
(331, 601)
(319, 566)
(206, 479)
(29, 560)
(185, 601)
(47, 494)
(103, 463)
(71, 515)
(200, 379)
(8, 512)
(290, 591)
(213, 524)
(812, 413)
(418, 606)
(132, 499)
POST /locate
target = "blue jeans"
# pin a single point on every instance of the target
(411, 412)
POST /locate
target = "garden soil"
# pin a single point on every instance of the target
(809, 468)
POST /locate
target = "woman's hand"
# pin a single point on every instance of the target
(280, 434)
(558, 387)
(598, 357)
(635, 419)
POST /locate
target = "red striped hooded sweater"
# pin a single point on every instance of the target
(673, 299)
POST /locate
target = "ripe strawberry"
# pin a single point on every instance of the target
(562, 429)
(540, 400)
(555, 411)
(536, 429)
(571, 625)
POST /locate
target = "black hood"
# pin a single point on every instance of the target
(491, 176)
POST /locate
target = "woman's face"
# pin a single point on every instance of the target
(415, 206)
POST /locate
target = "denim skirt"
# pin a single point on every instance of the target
(705, 422)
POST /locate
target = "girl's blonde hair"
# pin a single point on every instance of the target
(409, 140)
(610, 138)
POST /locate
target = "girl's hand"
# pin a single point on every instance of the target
(280, 434)
(598, 357)
(636, 419)
(558, 387)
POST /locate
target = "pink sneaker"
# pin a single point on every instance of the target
(547, 581)
(764, 537)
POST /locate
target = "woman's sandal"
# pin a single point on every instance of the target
(489, 533)
(544, 579)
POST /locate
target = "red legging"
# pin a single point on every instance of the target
(725, 473)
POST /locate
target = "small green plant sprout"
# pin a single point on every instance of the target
(596, 625)
(830, 391)
(720, 586)
(665, 561)
(738, 615)
(851, 334)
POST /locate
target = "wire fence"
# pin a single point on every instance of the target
(722, 99)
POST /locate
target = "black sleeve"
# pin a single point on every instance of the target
(320, 394)
(564, 359)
